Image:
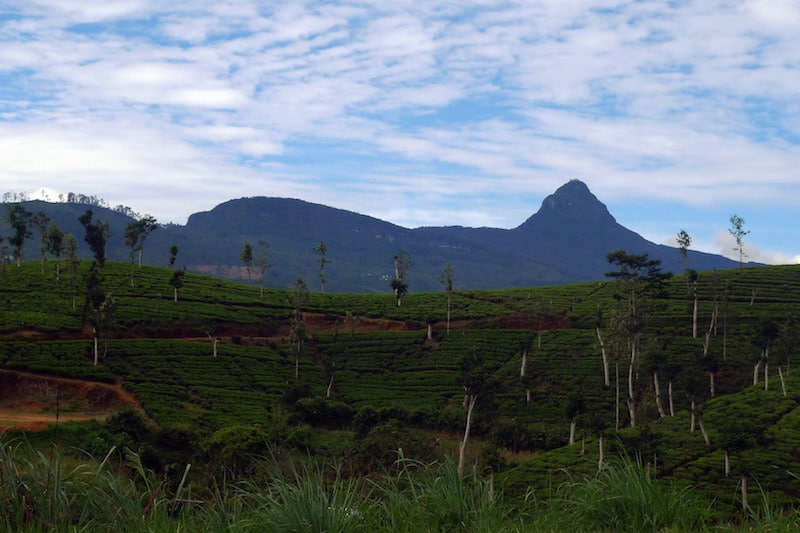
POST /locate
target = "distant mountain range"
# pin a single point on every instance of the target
(565, 241)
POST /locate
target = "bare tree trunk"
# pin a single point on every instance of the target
(330, 387)
(756, 369)
(766, 368)
(448, 313)
(631, 392)
(694, 317)
(527, 396)
(712, 389)
(96, 355)
(175, 294)
(572, 426)
(671, 404)
(430, 331)
(583, 445)
(745, 505)
(606, 380)
(657, 388)
(691, 418)
(462, 448)
(727, 465)
(524, 362)
(616, 399)
(703, 430)
(783, 382)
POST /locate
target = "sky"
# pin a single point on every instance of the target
(677, 114)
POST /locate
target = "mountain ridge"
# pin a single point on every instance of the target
(565, 241)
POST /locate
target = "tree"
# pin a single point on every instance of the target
(298, 299)
(475, 378)
(738, 232)
(173, 255)
(102, 310)
(146, 225)
(177, 282)
(576, 406)
(71, 250)
(18, 218)
(446, 279)
(402, 264)
(684, 241)
(54, 243)
(247, 258)
(321, 250)
(96, 234)
(766, 333)
(262, 264)
(41, 221)
(132, 241)
(639, 279)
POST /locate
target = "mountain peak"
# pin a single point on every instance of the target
(573, 200)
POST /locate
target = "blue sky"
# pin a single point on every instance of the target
(675, 114)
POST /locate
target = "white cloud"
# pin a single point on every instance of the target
(688, 102)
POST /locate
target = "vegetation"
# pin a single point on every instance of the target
(320, 410)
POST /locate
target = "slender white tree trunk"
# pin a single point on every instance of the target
(671, 404)
(448, 313)
(745, 505)
(657, 388)
(783, 382)
(616, 400)
(604, 355)
(727, 465)
(524, 362)
(766, 368)
(462, 448)
(96, 353)
(430, 331)
(691, 419)
(175, 294)
(712, 386)
(601, 451)
(572, 426)
(631, 392)
(694, 318)
(527, 396)
(756, 369)
(330, 388)
(703, 430)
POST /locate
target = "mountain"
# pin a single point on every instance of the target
(565, 241)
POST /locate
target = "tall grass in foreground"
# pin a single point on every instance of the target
(49, 492)
(623, 497)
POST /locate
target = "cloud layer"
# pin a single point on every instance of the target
(417, 112)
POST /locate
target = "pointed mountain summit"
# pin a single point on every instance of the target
(573, 201)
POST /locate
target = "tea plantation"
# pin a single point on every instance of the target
(318, 372)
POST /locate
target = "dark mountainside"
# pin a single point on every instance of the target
(565, 241)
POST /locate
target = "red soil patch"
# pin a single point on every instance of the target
(32, 401)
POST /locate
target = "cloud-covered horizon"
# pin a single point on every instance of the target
(420, 114)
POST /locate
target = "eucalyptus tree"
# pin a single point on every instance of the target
(247, 258)
(41, 221)
(402, 264)
(321, 250)
(19, 219)
(97, 233)
(738, 232)
(476, 380)
(71, 251)
(262, 263)
(146, 225)
(639, 281)
(54, 243)
(176, 281)
(767, 332)
(298, 298)
(446, 279)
